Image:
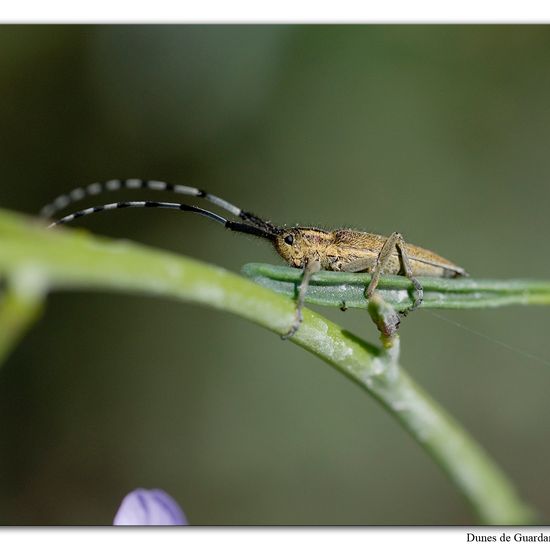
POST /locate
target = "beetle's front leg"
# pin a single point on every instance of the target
(312, 266)
(395, 242)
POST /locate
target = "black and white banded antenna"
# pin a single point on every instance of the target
(79, 193)
(229, 224)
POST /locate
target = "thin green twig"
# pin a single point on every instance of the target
(65, 259)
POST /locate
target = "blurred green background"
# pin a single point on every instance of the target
(439, 132)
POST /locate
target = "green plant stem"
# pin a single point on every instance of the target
(64, 259)
(19, 309)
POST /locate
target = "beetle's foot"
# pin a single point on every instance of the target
(386, 319)
(295, 326)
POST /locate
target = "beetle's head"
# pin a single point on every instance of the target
(298, 244)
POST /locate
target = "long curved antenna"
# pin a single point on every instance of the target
(229, 224)
(62, 201)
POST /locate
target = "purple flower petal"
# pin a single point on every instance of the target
(149, 507)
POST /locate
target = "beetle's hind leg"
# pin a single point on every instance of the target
(395, 242)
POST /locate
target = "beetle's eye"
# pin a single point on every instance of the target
(289, 239)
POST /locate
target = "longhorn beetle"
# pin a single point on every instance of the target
(307, 248)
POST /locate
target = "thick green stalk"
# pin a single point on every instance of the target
(64, 259)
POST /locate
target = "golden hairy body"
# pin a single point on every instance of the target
(355, 251)
(314, 249)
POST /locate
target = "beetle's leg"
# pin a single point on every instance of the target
(387, 321)
(395, 242)
(312, 266)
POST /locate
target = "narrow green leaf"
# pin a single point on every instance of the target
(337, 289)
